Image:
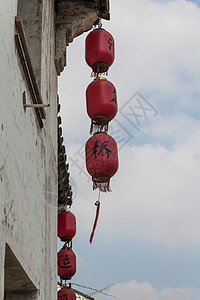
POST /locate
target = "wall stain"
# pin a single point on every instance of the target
(7, 210)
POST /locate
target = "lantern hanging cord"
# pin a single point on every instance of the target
(98, 23)
(97, 203)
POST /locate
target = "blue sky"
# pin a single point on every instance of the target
(143, 260)
(195, 1)
(147, 240)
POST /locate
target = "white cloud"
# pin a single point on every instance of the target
(155, 195)
(175, 128)
(143, 291)
(158, 46)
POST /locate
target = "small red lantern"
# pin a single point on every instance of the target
(101, 99)
(66, 263)
(101, 160)
(66, 225)
(99, 50)
(66, 294)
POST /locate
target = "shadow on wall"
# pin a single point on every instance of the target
(17, 284)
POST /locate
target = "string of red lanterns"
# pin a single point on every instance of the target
(66, 258)
(101, 148)
(101, 102)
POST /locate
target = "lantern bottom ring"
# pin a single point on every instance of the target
(66, 278)
(99, 123)
(99, 68)
(66, 239)
(102, 182)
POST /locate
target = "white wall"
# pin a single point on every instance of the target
(28, 159)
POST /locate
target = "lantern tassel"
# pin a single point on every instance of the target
(102, 182)
(99, 68)
(102, 186)
(97, 203)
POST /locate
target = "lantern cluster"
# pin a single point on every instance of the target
(101, 103)
(66, 258)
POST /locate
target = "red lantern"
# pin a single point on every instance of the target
(66, 263)
(101, 160)
(66, 294)
(101, 99)
(99, 50)
(66, 225)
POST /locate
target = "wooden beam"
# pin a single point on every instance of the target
(36, 105)
(21, 44)
(28, 78)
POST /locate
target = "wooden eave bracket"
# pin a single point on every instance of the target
(104, 8)
(73, 17)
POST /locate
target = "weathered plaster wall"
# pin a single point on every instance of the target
(28, 159)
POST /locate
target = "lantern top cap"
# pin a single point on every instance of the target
(102, 78)
(64, 210)
(99, 28)
(66, 247)
(102, 132)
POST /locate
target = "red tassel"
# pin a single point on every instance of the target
(95, 222)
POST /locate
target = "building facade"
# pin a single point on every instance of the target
(34, 179)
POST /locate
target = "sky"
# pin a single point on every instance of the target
(147, 241)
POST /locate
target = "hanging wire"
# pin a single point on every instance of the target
(69, 244)
(95, 291)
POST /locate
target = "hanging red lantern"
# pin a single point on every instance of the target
(66, 263)
(66, 225)
(66, 294)
(101, 100)
(101, 160)
(99, 50)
